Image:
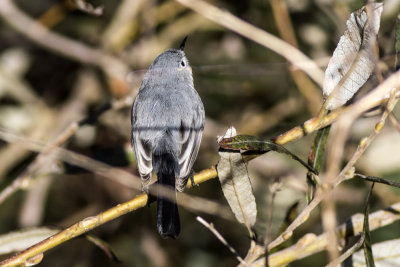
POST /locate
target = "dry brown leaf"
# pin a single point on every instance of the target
(236, 186)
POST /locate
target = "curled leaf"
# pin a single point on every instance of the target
(236, 186)
(353, 59)
(254, 144)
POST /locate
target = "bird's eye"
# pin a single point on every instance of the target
(183, 64)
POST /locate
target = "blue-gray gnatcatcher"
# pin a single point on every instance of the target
(167, 125)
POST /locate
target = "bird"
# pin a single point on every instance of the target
(167, 125)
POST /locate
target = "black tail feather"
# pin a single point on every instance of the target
(166, 166)
(168, 223)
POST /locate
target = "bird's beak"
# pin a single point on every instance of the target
(182, 46)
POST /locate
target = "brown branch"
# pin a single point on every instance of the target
(377, 180)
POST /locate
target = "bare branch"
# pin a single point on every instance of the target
(377, 180)
(221, 238)
(348, 253)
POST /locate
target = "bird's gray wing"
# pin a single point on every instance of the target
(190, 139)
(142, 149)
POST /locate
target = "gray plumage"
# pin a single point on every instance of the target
(167, 126)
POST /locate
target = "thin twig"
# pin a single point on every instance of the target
(20, 180)
(274, 188)
(220, 238)
(73, 158)
(229, 21)
(335, 153)
(311, 244)
(377, 180)
(348, 253)
(364, 143)
(347, 117)
(42, 157)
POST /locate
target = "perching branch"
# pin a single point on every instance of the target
(76, 230)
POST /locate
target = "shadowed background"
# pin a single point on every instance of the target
(241, 83)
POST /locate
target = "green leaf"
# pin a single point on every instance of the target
(369, 258)
(253, 144)
(315, 159)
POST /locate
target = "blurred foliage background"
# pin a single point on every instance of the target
(43, 90)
